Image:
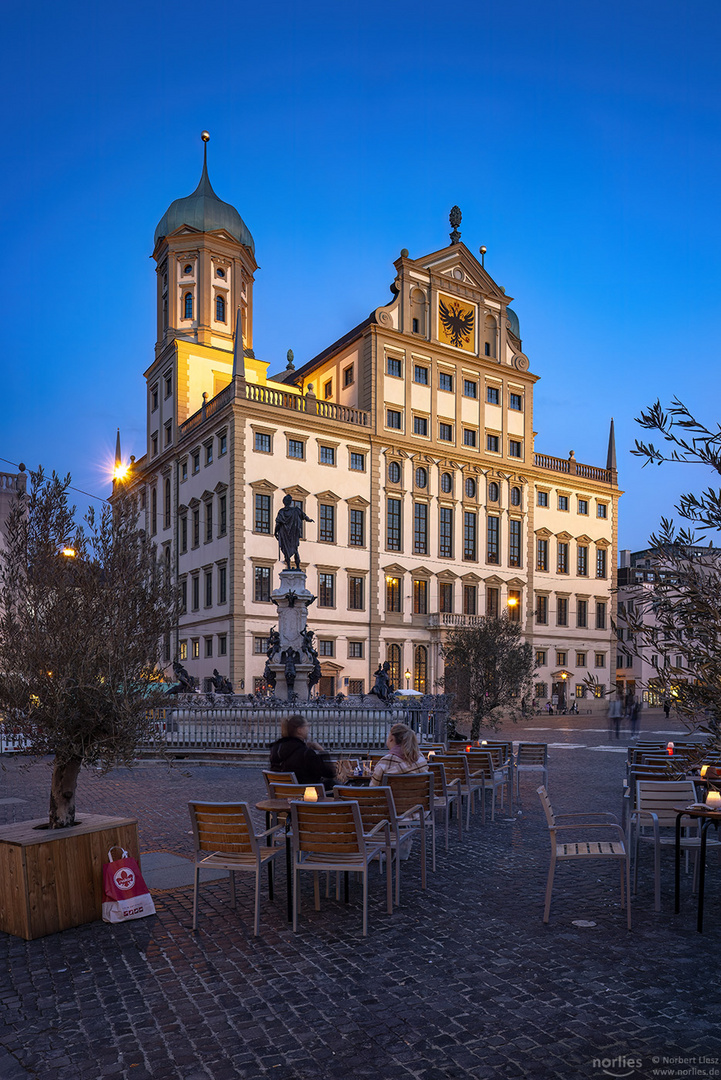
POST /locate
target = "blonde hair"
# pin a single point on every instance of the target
(405, 737)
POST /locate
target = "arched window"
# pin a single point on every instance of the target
(420, 670)
(188, 306)
(470, 488)
(515, 496)
(490, 329)
(493, 492)
(394, 659)
(418, 312)
(421, 477)
(220, 308)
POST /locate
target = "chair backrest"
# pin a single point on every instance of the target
(483, 760)
(660, 796)
(456, 766)
(375, 803)
(294, 791)
(505, 748)
(411, 789)
(547, 808)
(328, 828)
(436, 747)
(271, 777)
(532, 753)
(225, 828)
(440, 783)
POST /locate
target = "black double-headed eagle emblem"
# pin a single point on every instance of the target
(457, 323)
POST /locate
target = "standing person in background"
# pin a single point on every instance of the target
(666, 707)
(403, 755)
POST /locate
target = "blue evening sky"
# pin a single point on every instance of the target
(581, 141)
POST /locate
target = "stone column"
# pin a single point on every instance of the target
(292, 600)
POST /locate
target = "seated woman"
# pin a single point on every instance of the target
(403, 755)
(292, 753)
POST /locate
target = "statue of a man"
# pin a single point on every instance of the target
(288, 527)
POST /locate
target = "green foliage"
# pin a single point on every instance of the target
(80, 637)
(488, 668)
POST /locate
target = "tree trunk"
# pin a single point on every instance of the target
(62, 792)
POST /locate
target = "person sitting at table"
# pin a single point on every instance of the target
(293, 753)
(403, 755)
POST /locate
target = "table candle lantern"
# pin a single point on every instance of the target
(713, 800)
(704, 770)
(310, 795)
(669, 747)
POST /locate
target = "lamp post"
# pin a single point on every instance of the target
(408, 679)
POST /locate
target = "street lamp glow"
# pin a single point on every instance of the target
(68, 552)
(512, 601)
(408, 678)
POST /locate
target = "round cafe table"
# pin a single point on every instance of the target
(708, 818)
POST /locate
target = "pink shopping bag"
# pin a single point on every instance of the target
(125, 894)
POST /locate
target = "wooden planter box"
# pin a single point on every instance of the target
(52, 879)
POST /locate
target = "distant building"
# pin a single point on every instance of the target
(10, 485)
(409, 442)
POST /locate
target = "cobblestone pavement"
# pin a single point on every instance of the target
(463, 980)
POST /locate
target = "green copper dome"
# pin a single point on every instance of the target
(513, 320)
(203, 210)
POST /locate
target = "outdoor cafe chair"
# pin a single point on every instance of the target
(457, 772)
(413, 795)
(271, 777)
(376, 805)
(654, 822)
(484, 765)
(446, 794)
(225, 839)
(531, 757)
(329, 835)
(284, 790)
(589, 847)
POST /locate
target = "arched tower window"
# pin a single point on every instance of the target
(420, 670)
(490, 331)
(394, 659)
(220, 308)
(188, 306)
(418, 312)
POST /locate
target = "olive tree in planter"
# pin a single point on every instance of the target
(84, 612)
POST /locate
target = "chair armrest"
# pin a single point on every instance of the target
(638, 814)
(591, 825)
(590, 814)
(456, 784)
(377, 828)
(410, 813)
(270, 832)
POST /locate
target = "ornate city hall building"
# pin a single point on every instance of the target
(409, 442)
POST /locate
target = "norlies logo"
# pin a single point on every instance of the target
(617, 1066)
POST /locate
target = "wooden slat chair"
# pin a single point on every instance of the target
(506, 760)
(456, 746)
(531, 757)
(446, 794)
(636, 773)
(225, 839)
(586, 848)
(414, 794)
(484, 764)
(376, 805)
(284, 790)
(271, 777)
(654, 821)
(433, 748)
(457, 770)
(329, 835)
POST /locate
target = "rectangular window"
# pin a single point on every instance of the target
(445, 381)
(356, 686)
(445, 432)
(356, 535)
(222, 449)
(515, 402)
(420, 375)
(394, 367)
(514, 543)
(601, 563)
(328, 389)
(445, 596)
(514, 605)
(445, 549)
(222, 584)
(326, 647)
(420, 425)
(492, 444)
(355, 650)
(296, 449)
(601, 615)
(561, 658)
(563, 502)
(393, 594)
(469, 437)
(420, 597)
(358, 462)
(195, 648)
(470, 535)
(209, 646)
(326, 525)
(493, 596)
(327, 455)
(420, 529)
(393, 419)
(208, 588)
(582, 614)
(195, 592)
(540, 657)
(583, 506)
(602, 510)
(326, 590)
(183, 650)
(262, 514)
(184, 470)
(348, 376)
(493, 395)
(169, 433)
(542, 499)
(561, 611)
(184, 533)
(470, 600)
(600, 659)
(393, 525)
(492, 540)
(222, 515)
(262, 584)
(542, 555)
(542, 610)
(260, 645)
(355, 593)
(515, 448)
(222, 645)
(208, 521)
(582, 561)
(183, 597)
(196, 527)
(580, 659)
(196, 461)
(168, 385)
(470, 389)
(209, 453)
(154, 399)
(562, 558)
